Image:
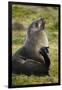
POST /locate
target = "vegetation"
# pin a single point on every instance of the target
(25, 15)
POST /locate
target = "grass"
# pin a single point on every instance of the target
(26, 15)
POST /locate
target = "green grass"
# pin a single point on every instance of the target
(26, 15)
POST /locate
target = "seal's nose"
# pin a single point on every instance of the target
(43, 20)
(41, 23)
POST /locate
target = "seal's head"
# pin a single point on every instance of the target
(37, 25)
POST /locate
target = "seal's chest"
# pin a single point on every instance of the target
(42, 40)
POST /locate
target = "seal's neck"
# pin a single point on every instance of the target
(39, 40)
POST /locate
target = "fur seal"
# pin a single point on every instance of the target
(33, 57)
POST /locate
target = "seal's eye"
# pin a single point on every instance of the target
(36, 24)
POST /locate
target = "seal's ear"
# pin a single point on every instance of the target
(30, 30)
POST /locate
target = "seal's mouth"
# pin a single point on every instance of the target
(41, 23)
